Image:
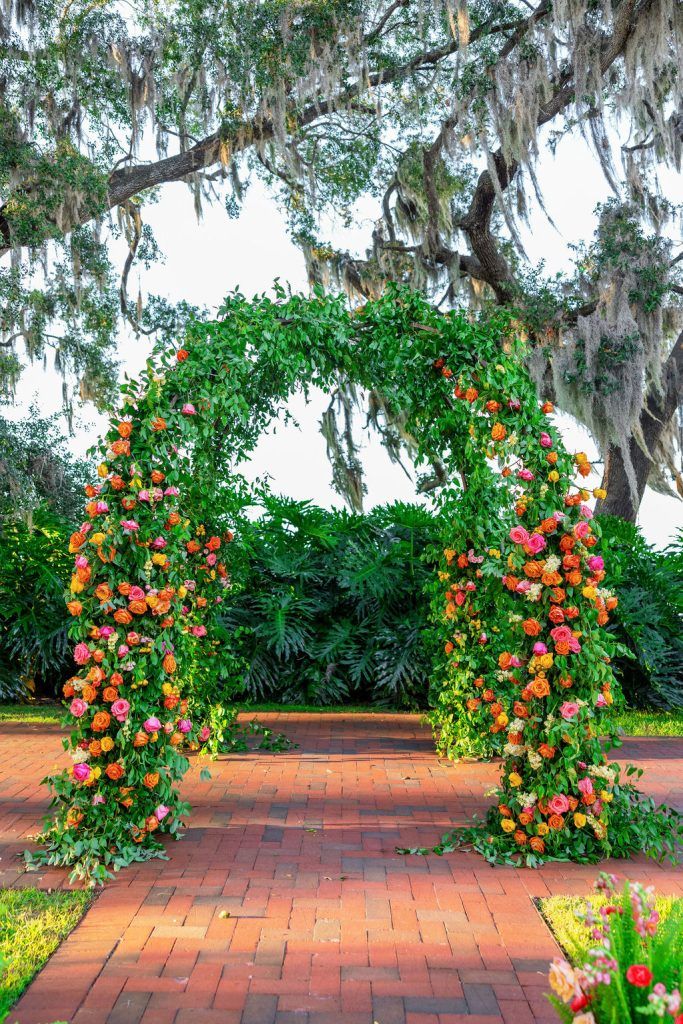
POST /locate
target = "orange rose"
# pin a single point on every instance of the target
(537, 844)
(534, 570)
(124, 589)
(556, 615)
(181, 355)
(151, 780)
(169, 664)
(504, 660)
(75, 607)
(103, 592)
(566, 682)
(110, 694)
(125, 429)
(498, 431)
(98, 656)
(68, 690)
(128, 503)
(556, 822)
(176, 739)
(546, 751)
(551, 579)
(504, 810)
(201, 602)
(174, 518)
(101, 721)
(95, 748)
(114, 771)
(574, 579)
(531, 627)
(551, 457)
(157, 476)
(548, 525)
(558, 595)
(89, 694)
(117, 482)
(525, 818)
(519, 710)
(137, 607)
(151, 823)
(521, 838)
(540, 687)
(141, 739)
(121, 447)
(472, 704)
(76, 541)
(122, 616)
(158, 424)
(192, 547)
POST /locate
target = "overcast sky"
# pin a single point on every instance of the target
(205, 261)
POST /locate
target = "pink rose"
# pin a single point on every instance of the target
(198, 631)
(129, 525)
(514, 404)
(123, 650)
(204, 734)
(171, 492)
(78, 707)
(540, 648)
(525, 474)
(568, 710)
(561, 634)
(159, 543)
(601, 702)
(97, 799)
(101, 507)
(143, 495)
(81, 771)
(515, 662)
(136, 594)
(581, 530)
(106, 631)
(585, 785)
(523, 587)
(546, 440)
(81, 654)
(152, 724)
(211, 559)
(536, 543)
(85, 528)
(586, 511)
(161, 812)
(519, 535)
(558, 804)
(81, 562)
(188, 409)
(185, 725)
(596, 563)
(120, 709)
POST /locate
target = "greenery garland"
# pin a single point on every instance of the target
(524, 661)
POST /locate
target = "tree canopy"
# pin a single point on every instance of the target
(439, 111)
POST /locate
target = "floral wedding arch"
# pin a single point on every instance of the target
(519, 605)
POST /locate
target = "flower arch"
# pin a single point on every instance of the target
(519, 604)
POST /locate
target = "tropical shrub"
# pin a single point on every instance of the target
(332, 605)
(632, 967)
(649, 619)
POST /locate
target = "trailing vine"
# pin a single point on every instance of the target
(519, 603)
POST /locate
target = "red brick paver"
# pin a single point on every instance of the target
(285, 902)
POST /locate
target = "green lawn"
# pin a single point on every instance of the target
(32, 925)
(571, 934)
(634, 723)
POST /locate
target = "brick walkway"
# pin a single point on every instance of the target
(285, 902)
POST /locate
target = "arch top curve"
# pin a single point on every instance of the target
(522, 664)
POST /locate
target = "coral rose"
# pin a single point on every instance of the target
(151, 780)
(537, 844)
(559, 804)
(114, 771)
(75, 607)
(556, 822)
(100, 721)
(531, 627)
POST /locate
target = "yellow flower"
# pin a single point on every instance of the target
(553, 476)
(546, 661)
(585, 495)
(606, 797)
(159, 558)
(97, 539)
(514, 779)
(97, 772)
(543, 829)
(102, 470)
(507, 824)
(502, 719)
(494, 552)
(76, 585)
(579, 819)
(599, 492)
(107, 744)
(590, 592)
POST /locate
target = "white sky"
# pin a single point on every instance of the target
(205, 261)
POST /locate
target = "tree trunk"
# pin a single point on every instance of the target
(622, 500)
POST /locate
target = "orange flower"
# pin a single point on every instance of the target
(68, 690)
(95, 748)
(537, 844)
(567, 543)
(103, 592)
(137, 607)
(573, 579)
(520, 710)
(479, 681)
(76, 541)
(141, 739)
(551, 457)
(100, 721)
(75, 607)
(526, 818)
(504, 811)
(125, 429)
(558, 595)
(151, 823)
(471, 394)
(492, 406)
(169, 664)
(181, 355)
(110, 693)
(121, 447)
(472, 704)
(556, 822)
(521, 838)
(566, 682)
(548, 525)
(192, 547)
(174, 518)
(151, 780)
(114, 771)
(158, 424)
(540, 687)
(562, 648)
(556, 615)
(551, 579)
(498, 431)
(571, 562)
(89, 694)
(534, 570)
(117, 482)
(531, 627)
(504, 660)
(547, 407)
(122, 616)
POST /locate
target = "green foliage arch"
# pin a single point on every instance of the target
(519, 604)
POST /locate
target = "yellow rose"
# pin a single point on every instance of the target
(102, 470)
(543, 829)
(97, 772)
(585, 495)
(507, 825)
(590, 592)
(159, 558)
(579, 819)
(600, 492)
(514, 779)
(97, 539)
(76, 585)
(546, 661)
(182, 592)
(107, 744)
(553, 476)
(502, 719)
(606, 797)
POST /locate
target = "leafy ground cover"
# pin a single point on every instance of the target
(633, 722)
(32, 925)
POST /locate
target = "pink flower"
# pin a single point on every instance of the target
(585, 785)
(523, 587)
(188, 409)
(546, 440)
(78, 707)
(211, 559)
(143, 495)
(558, 804)
(152, 724)
(601, 702)
(129, 525)
(123, 650)
(568, 710)
(561, 634)
(101, 507)
(586, 511)
(81, 562)
(81, 771)
(204, 734)
(185, 725)
(525, 474)
(106, 631)
(159, 543)
(536, 543)
(161, 812)
(171, 492)
(540, 648)
(519, 535)
(514, 404)
(581, 530)
(81, 654)
(596, 563)
(136, 594)
(198, 631)
(120, 709)
(97, 799)
(85, 528)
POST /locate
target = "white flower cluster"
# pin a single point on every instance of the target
(552, 563)
(534, 592)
